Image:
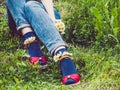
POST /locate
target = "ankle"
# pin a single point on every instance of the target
(67, 67)
(61, 53)
(60, 49)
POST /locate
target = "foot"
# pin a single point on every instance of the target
(68, 69)
(42, 60)
(34, 49)
(71, 79)
(69, 72)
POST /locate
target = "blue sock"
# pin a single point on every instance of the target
(33, 48)
(67, 66)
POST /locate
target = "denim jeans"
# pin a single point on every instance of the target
(12, 24)
(33, 14)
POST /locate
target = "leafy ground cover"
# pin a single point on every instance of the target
(99, 68)
(99, 71)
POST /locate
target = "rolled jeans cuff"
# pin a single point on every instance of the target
(23, 26)
(55, 46)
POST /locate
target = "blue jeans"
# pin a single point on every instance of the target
(33, 14)
(12, 24)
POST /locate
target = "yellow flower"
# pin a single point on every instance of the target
(29, 40)
(56, 58)
(60, 26)
(60, 54)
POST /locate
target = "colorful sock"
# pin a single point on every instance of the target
(67, 66)
(33, 48)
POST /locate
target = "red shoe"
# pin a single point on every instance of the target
(75, 78)
(34, 60)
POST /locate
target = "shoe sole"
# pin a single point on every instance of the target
(72, 84)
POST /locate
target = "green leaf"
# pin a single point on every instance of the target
(16, 79)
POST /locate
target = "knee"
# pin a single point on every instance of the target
(28, 4)
(32, 4)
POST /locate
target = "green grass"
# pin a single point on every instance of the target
(91, 22)
(99, 71)
(99, 68)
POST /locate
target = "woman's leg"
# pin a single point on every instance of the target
(17, 11)
(43, 26)
(47, 32)
(33, 47)
(16, 18)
